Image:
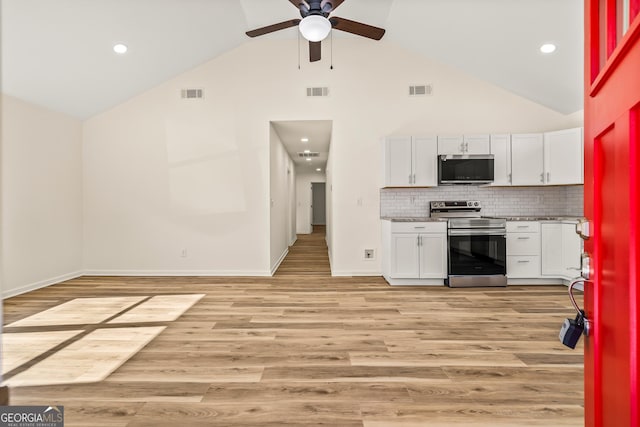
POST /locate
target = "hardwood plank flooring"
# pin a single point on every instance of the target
(305, 348)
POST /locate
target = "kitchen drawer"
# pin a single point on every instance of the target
(523, 267)
(523, 226)
(419, 227)
(523, 244)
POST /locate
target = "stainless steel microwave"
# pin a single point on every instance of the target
(465, 169)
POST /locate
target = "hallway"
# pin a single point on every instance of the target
(308, 256)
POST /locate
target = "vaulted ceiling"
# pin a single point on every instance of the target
(58, 53)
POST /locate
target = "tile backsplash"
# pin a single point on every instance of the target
(496, 201)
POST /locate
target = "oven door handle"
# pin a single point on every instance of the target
(476, 232)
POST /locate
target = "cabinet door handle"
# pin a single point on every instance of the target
(523, 238)
(510, 179)
(523, 261)
(414, 178)
(542, 177)
(523, 226)
(409, 178)
(420, 227)
(548, 176)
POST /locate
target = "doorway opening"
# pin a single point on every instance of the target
(305, 208)
(318, 205)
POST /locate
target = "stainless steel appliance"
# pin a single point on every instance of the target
(477, 247)
(465, 169)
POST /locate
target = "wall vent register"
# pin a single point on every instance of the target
(308, 155)
(192, 93)
(317, 91)
(420, 90)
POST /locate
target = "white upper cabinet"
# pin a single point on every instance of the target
(563, 157)
(450, 144)
(398, 159)
(477, 144)
(464, 144)
(501, 150)
(425, 161)
(410, 162)
(527, 159)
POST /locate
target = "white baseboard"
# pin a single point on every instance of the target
(355, 273)
(275, 267)
(177, 273)
(8, 293)
(534, 281)
(414, 282)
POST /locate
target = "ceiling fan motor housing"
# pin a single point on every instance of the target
(315, 8)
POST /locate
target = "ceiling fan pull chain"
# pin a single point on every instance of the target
(331, 68)
(298, 49)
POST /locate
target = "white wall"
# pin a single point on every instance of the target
(282, 178)
(163, 173)
(303, 196)
(41, 196)
(329, 206)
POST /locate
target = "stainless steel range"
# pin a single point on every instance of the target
(477, 246)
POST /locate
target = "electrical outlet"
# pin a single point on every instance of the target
(369, 254)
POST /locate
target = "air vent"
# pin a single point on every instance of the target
(308, 155)
(192, 93)
(317, 91)
(420, 90)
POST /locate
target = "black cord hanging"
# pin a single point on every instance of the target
(331, 67)
(298, 49)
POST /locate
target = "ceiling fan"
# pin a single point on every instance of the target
(316, 24)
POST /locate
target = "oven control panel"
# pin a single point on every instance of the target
(457, 205)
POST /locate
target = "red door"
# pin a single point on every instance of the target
(612, 204)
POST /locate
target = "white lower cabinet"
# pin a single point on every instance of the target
(540, 251)
(415, 251)
(523, 249)
(561, 249)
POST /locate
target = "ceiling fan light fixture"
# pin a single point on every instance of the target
(315, 28)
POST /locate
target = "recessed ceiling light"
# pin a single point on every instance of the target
(308, 160)
(120, 48)
(307, 151)
(318, 170)
(304, 139)
(548, 48)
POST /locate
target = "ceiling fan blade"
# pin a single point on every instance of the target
(271, 28)
(315, 51)
(297, 3)
(358, 28)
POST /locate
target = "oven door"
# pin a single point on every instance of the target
(477, 252)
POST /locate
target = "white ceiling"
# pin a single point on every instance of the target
(58, 53)
(318, 132)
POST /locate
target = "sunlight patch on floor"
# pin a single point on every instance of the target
(19, 348)
(79, 311)
(90, 359)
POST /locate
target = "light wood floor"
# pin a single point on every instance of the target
(309, 349)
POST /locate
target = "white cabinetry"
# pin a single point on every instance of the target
(501, 150)
(477, 144)
(523, 249)
(416, 251)
(561, 249)
(464, 144)
(410, 162)
(563, 157)
(527, 159)
(450, 144)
